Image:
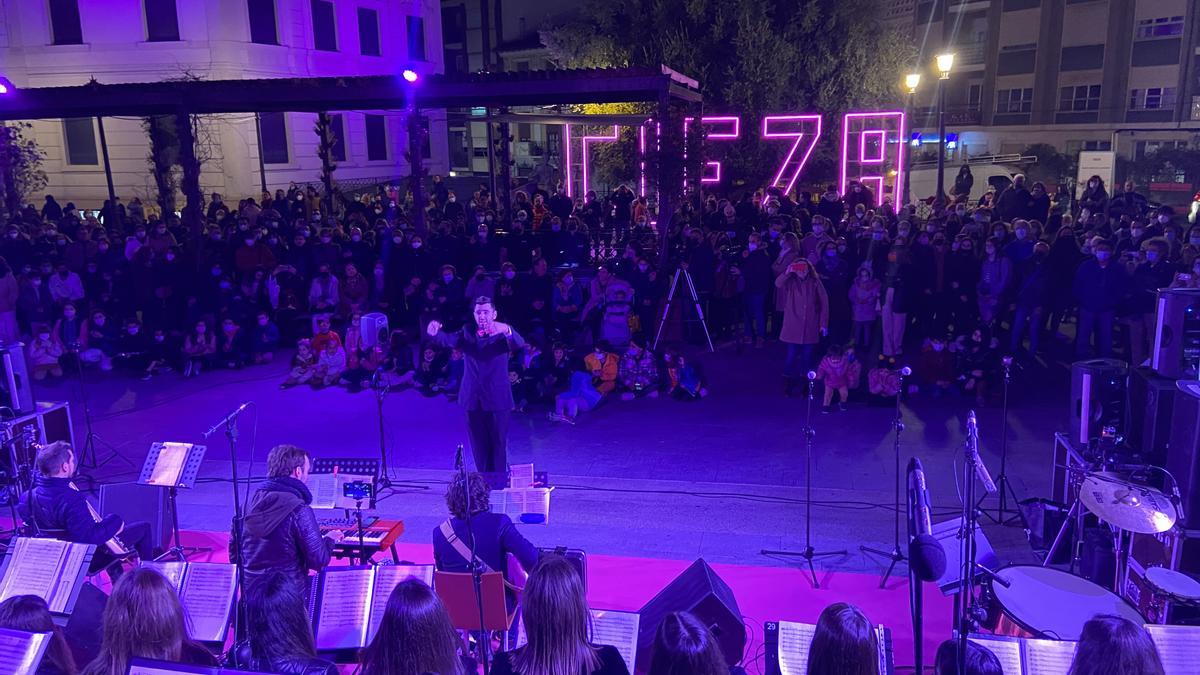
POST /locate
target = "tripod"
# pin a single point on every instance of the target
(808, 553)
(384, 482)
(178, 551)
(87, 454)
(695, 299)
(1005, 487)
(896, 555)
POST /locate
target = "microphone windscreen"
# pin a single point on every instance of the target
(927, 558)
(812, 374)
(906, 371)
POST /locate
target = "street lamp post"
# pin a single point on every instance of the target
(944, 63)
(911, 82)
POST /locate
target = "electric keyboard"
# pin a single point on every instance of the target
(377, 534)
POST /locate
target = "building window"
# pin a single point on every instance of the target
(460, 151)
(376, 138)
(415, 28)
(1196, 107)
(324, 26)
(64, 22)
(368, 31)
(337, 125)
(272, 134)
(1143, 148)
(162, 21)
(79, 134)
(454, 25)
(524, 132)
(1152, 98)
(263, 30)
(1081, 98)
(974, 97)
(1014, 100)
(1163, 26)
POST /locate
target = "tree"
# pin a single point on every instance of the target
(1166, 165)
(1052, 165)
(163, 155)
(325, 142)
(21, 171)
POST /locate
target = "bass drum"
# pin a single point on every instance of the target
(1047, 603)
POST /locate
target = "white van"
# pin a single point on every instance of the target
(923, 181)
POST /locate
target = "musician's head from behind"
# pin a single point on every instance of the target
(143, 618)
(557, 621)
(484, 311)
(288, 461)
(277, 620)
(415, 635)
(56, 460)
(31, 614)
(683, 644)
(980, 661)
(474, 491)
(844, 643)
(1112, 644)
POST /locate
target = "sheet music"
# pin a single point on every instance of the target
(1178, 647)
(34, 569)
(169, 465)
(387, 577)
(1048, 657)
(21, 652)
(521, 476)
(73, 562)
(171, 571)
(323, 487)
(619, 629)
(207, 595)
(342, 614)
(794, 642)
(1008, 652)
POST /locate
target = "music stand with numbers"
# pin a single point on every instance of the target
(173, 466)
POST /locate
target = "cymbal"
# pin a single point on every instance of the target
(1131, 507)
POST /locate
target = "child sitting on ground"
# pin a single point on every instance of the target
(684, 380)
(935, 367)
(44, 352)
(304, 365)
(638, 372)
(839, 370)
(331, 363)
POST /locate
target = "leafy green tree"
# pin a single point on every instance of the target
(21, 171)
(1167, 165)
(1052, 165)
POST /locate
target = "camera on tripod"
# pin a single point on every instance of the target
(358, 490)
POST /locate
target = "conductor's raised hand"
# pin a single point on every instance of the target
(501, 328)
(434, 328)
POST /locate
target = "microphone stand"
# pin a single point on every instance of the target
(916, 600)
(385, 482)
(485, 639)
(808, 553)
(967, 611)
(231, 434)
(896, 555)
(1002, 482)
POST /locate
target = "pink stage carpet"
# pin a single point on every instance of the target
(762, 593)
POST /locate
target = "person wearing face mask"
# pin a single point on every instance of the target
(995, 276)
(812, 243)
(830, 205)
(324, 292)
(1030, 295)
(34, 304)
(326, 251)
(132, 348)
(1100, 285)
(1015, 201)
(65, 285)
(588, 388)
(899, 297)
(1095, 196)
(859, 195)
(45, 353)
(480, 284)
(754, 269)
(1020, 248)
(1128, 202)
(252, 253)
(1190, 250)
(834, 273)
(805, 318)
(354, 289)
(789, 252)
(963, 183)
(16, 248)
(264, 339)
(1155, 273)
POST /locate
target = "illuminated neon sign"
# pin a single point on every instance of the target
(806, 129)
(723, 128)
(870, 140)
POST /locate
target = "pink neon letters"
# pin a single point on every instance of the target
(723, 128)
(868, 138)
(806, 129)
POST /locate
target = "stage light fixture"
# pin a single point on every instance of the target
(410, 76)
(6, 86)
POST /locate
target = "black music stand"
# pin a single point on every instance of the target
(26, 568)
(173, 466)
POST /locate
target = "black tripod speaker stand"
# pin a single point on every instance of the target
(896, 555)
(1002, 515)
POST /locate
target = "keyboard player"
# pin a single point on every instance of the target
(280, 530)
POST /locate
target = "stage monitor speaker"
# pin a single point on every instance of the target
(1176, 351)
(1148, 414)
(1183, 452)
(373, 327)
(134, 502)
(84, 628)
(1098, 388)
(16, 392)
(700, 591)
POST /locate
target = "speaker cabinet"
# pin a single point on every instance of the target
(15, 389)
(134, 502)
(1148, 415)
(700, 591)
(1098, 388)
(1176, 349)
(1183, 452)
(373, 328)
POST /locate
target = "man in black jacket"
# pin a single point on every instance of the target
(280, 531)
(485, 391)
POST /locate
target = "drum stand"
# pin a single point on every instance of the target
(1002, 482)
(695, 299)
(896, 555)
(808, 553)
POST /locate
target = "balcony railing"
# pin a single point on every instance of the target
(969, 54)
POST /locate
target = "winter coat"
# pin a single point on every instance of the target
(280, 532)
(864, 298)
(805, 308)
(778, 267)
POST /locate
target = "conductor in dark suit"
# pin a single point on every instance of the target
(485, 391)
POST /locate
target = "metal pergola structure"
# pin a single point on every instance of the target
(497, 92)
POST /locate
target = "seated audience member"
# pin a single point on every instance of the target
(556, 626)
(232, 347)
(839, 370)
(1114, 645)
(143, 618)
(556, 373)
(980, 661)
(587, 390)
(495, 534)
(415, 636)
(44, 354)
(277, 624)
(935, 367)
(199, 346)
(844, 643)
(31, 614)
(452, 377)
(430, 369)
(323, 335)
(638, 372)
(685, 646)
(331, 362)
(977, 365)
(132, 346)
(264, 339)
(102, 341)
(158, 354)
(304, 365)
(684, 380)
(614, 322)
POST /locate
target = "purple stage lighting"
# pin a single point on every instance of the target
(410, 75)
(6, 86)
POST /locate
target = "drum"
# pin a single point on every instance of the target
(1175, 587)
(1047, 603)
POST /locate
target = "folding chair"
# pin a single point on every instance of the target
(457, 591)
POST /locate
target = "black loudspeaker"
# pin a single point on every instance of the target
(1176, 349)
(1183, 452)
(1098, 389)
(700, 591)
(84, 628)
(1148, 415)
(134, 502)
(15, 389)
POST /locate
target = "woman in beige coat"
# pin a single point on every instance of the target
(805, 318)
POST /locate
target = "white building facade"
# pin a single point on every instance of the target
(47, 43)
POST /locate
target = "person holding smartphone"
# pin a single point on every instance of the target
(805, 318)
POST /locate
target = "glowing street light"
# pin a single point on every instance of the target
(945, 62)
(912, 81)
(410, 75)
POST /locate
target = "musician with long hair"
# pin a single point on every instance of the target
(54, 507)
(414, 637)
(557, 626)
(844, 643)
(143, 618)
(277, 623)
(31, 614)
(683, 645)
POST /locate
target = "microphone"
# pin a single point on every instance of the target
(812, 374)
(227, 419)
(458, 458)
(926, 556)
(989, 485)
(905, 371)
